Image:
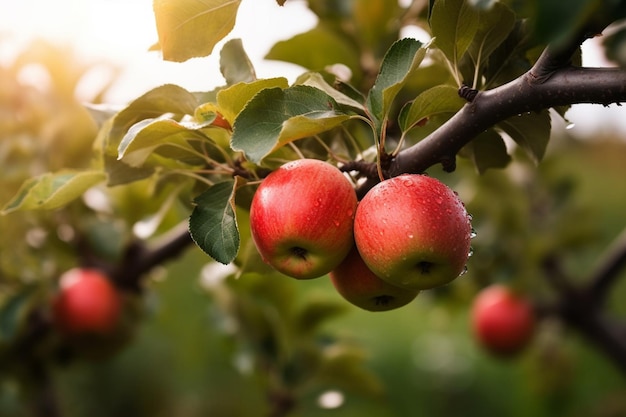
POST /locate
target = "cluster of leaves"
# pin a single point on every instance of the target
(174, 156)
(213, 147)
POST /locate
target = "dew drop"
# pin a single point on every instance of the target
(464, 271)
(471, 252)
(472, 233)
(570, 126)
(407, 182)
(410, 236)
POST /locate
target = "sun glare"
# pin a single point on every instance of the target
(120, 32)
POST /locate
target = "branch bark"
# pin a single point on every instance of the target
(529, 93)
(140, 258)
(540, 88)
(581, 309)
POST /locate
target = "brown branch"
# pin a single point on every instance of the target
(580, 309)
(140, 258)
(608, 271)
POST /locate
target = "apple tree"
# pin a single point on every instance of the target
(161, 198)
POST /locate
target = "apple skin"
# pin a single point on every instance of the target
(87, 303)
(302, 218)
(502, 322)
(355, 282)
(413, 231)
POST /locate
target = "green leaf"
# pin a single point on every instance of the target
(558, 20)
(213, 223)
(119, 173)
(495, 25)
(275, 117)
(453, 24)
(315, 312)
(509, 59)
(345, 365)
(167, 98)
(13, 311)
(373, 20)
(487, 150)
(147, 136)
(399, 62)
(315, 79)
(316, 49)
(231, 100)
(438, 99)
(235, 65)
(192, 28)
(53, 190)
(530, 131)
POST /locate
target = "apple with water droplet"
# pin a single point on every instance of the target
(413, 231)
(355, 282)
(87, 303)
(502, 321)
(302, 218)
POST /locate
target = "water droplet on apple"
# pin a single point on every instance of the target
(471, 252)
(472, 233)
(439, 200)
(410, 236)
(336, 222)
(350, 212)
(470, 217)
(407, 182)
(464, 271)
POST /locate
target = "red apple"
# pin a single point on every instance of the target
(219, 121)
(361, 287)
(413, 231)
(87, 303)
(302, 217)
(502, 321)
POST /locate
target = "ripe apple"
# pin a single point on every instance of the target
(87, 303)
(302, 217)
(413, 231)
(502, 321)
(361, 287)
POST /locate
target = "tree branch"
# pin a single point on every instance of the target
(607, 272)
(528, 93)
(140, 258)
(580, 309)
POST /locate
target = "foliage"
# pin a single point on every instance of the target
(175, 160)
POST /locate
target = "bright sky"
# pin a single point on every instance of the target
(121, 31)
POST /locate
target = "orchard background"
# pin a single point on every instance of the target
(482, 106)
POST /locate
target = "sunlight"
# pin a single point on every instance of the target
(120, 32)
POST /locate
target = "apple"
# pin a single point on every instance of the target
(413, 231)
(87, 303)
(302, 218)
(502, 321)
(219, 121)
(355, 282)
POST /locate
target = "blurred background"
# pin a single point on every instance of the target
(191, 354)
